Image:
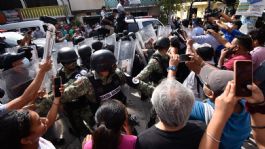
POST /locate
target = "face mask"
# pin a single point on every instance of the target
(25, 62)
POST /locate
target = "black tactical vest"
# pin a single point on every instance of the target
(108, 91)
(156, 76)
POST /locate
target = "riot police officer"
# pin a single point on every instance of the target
(84, 51)
(70, 70)
(156, 68)
(78, 108)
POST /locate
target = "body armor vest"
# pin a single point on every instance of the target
(108, 91)
(156, 76)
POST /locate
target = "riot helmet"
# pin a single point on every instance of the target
(102, 60)
(97, 45)
(162, 43)
(84, 51)
(66, 55)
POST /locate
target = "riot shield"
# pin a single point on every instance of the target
(148, 33)
(125, 55)
(110, 40)
(17, 79)
(164, 31)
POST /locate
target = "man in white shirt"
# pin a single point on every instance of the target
(120, 5)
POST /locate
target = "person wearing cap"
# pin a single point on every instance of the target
(30, 93)
(237, 129)
(15, 73)
(23, 128)
(193, 81)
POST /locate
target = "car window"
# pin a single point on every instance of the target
(155, 23)
(132, 27)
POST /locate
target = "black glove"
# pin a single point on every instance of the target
(132, 82)
(2, 93)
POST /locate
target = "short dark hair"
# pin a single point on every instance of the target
(238, 23)
(245, 41)
(185, 22)
(115, 10)
(103, 7)
(258, 35)
(206, 53)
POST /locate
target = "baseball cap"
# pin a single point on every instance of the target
(215, 78)
(8, 58)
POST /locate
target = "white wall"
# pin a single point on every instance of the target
(77, 5)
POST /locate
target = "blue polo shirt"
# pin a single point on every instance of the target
(230, 36)
(236, 130)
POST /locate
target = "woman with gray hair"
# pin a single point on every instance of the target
(173, 104)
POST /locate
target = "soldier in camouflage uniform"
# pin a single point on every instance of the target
(156, 68)
(102, 83)
(77, 108)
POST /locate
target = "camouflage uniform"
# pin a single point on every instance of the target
(78, 108)
(155, 69)
(83, 87)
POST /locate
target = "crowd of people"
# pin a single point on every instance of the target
(194, 101)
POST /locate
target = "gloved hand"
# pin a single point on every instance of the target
(132, 82)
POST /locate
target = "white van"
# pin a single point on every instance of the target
(22, 26)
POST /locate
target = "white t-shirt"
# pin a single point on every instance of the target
(45, 144)
(120, 8)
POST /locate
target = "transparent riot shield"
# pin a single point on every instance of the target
(110, 40)
(164, 31)
(17, 79)
(148, 33)
(125, 55)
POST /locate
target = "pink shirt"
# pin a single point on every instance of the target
(229, 64)
(127, 142)
(258, 56)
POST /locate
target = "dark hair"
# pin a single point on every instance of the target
(258, 35)
(245, 41)
(206, 53)
(14, 126)
(211, 26)
(109, 118)
(103, 7)
(175, 42)
(115, 10)
(185, 22)
(238, 23)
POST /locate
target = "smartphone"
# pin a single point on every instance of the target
(57, 85)
(184, 58)
(243, 75)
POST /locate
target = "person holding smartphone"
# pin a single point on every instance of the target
(238, 126)
(31, 92)
(23, 128)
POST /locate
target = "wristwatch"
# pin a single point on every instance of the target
(173, 68)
